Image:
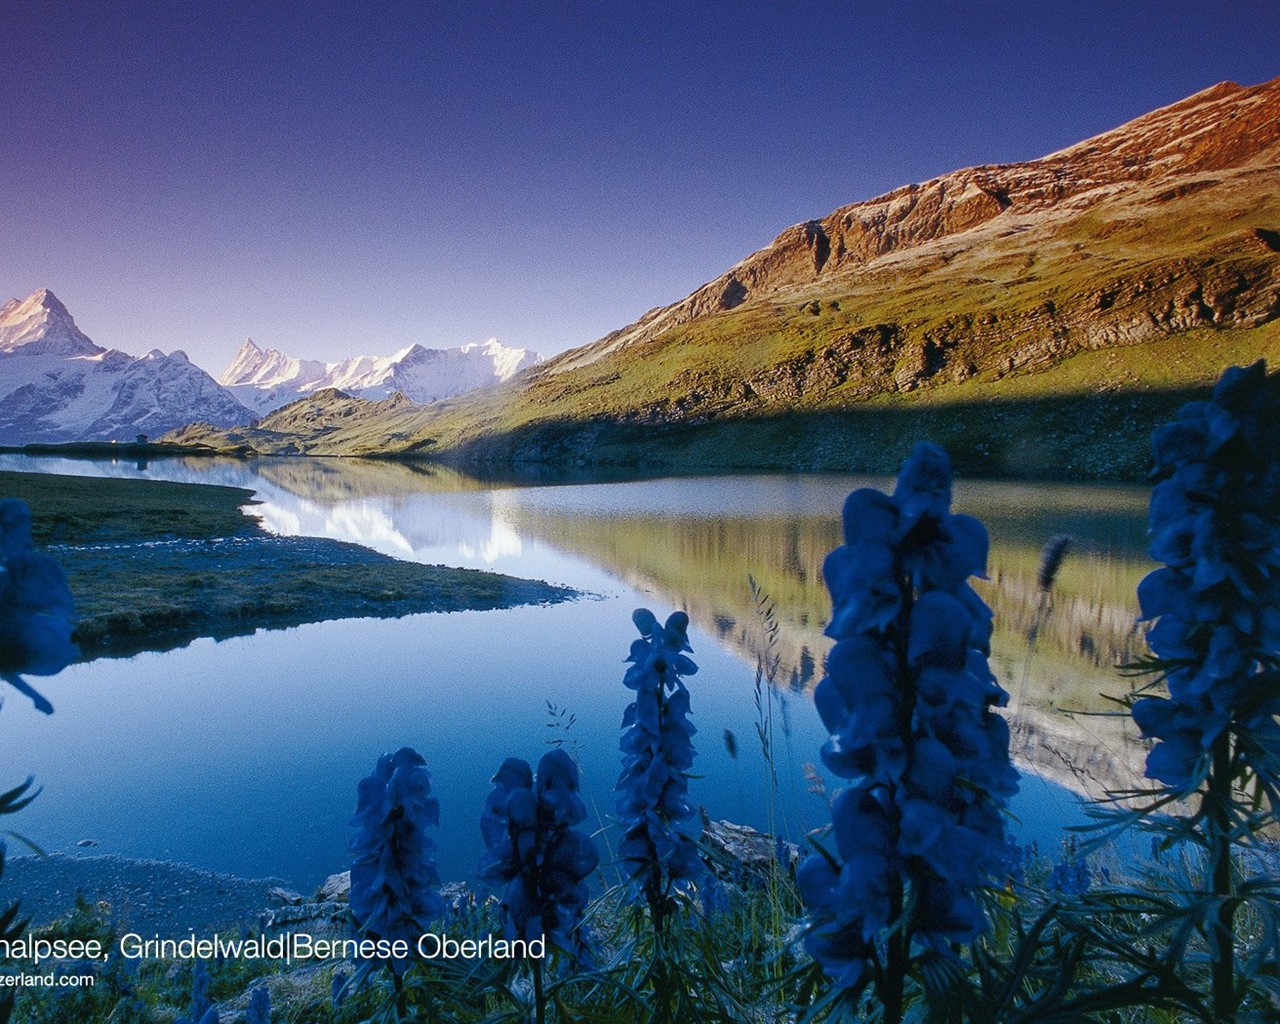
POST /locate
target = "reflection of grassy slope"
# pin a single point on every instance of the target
(330, 481)
(703, 565)
(327, 482)
(153, 565)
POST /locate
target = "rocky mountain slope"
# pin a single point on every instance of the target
(1037, 317)
(267, 379)
(1226, 128)
(57, 385)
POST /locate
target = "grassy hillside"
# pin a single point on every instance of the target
(764, 387)
(1038, 318)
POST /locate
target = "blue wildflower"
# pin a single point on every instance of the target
(200, 1010)
(1215, 605)
(714, 897)
(659, 843)
(536, 854)
(1070, 877)
(37, 612)
(907, 701)
(394, 881)
(259, 1010)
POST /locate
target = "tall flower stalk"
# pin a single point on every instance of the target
(659, 846)
(907, 699)
(394, 879)
(37, 616)
(660, 832)
(539, 858)
(1215, 524)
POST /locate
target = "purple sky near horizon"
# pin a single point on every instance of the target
(338, 179)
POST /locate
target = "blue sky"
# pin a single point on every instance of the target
(335, 179)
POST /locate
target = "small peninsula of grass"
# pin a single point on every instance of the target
(154, 565)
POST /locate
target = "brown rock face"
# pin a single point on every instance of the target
(1226, 126)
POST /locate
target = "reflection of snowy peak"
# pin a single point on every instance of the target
(57, 385)
(268, 379)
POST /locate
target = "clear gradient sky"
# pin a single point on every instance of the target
(336, 179)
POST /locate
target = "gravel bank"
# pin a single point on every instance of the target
(144, 896)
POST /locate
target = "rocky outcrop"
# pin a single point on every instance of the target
(335, 888)
(1226, 126)
(745, 856)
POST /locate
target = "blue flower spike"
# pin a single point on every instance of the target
(534, 852)
(394, 879)
(1215, 605)
(908, 702)
(659, 845)
(37, 611)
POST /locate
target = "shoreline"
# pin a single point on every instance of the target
(146, 896)
(510, 468)
(173, 898)
(155, 565)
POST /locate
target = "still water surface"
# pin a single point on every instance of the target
(243, 755)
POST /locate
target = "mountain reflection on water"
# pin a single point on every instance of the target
(695, 543)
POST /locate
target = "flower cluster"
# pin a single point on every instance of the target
(907, 701)
(37, 613)
(201, 1009)
(1215, 524)
(259, 1009)
(534, 851)
(1070, 877)
(659, 847)
(394, 881)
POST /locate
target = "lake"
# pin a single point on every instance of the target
(243, 755)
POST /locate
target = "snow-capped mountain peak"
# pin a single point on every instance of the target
(40, 324)
(57, 385)
(266, 379)
(246, 363)
(267, 368)
(507, 361)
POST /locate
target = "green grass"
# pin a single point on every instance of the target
(82, 510)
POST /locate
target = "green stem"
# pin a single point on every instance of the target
(658, 913)
(402, 1000)
(539, 997)
(1219, 825)
(663, 995)
(895, 975)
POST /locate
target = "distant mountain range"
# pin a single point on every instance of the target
(267, 379)
(57, 385)
(1037, 317)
